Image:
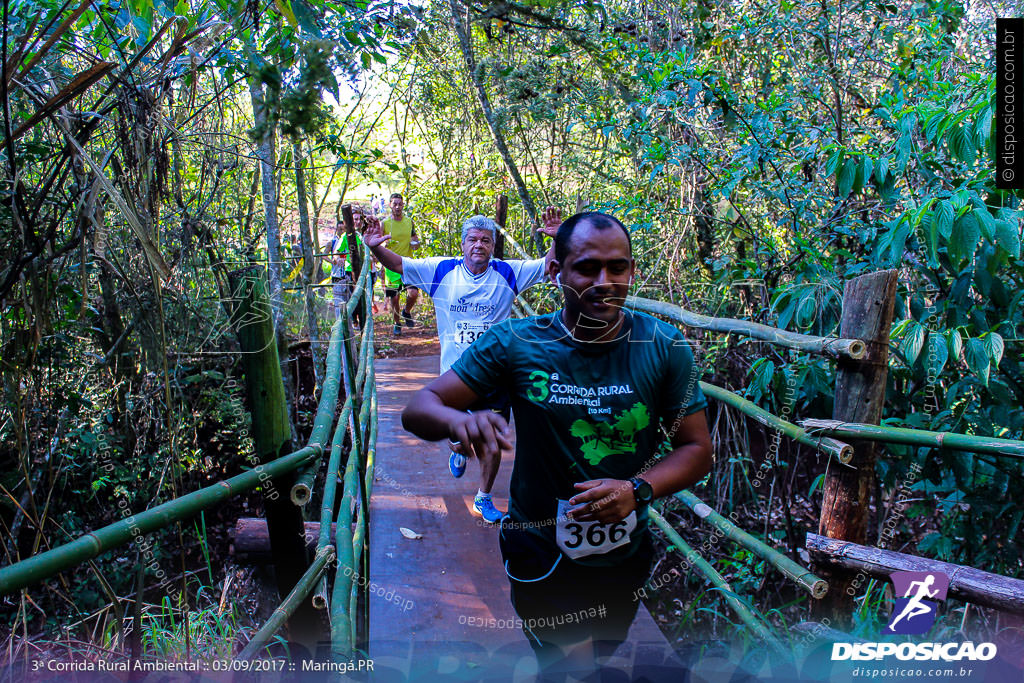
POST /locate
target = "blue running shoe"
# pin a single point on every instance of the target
(457, 464)
(485, 508)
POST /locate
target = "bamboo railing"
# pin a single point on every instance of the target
(348, 553)
(827, 346)
(351, 579)
(358, 482)
(841, 451)
(799, 575)
(324, 557)
(750, 617)
(987, 445)
(340, 340)
(44, 565)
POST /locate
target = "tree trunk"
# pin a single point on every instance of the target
(267, 157)
(860, 394)
(462, 32)
(268, 162)
(500, 215)
(318, 268)
(305, 242)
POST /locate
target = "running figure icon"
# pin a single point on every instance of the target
(915, 608)
(917, 596)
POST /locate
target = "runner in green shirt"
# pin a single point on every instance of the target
(597, 386)
(342, 278)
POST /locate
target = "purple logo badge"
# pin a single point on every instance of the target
(917, 596)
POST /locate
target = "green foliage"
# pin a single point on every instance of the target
(758, 173)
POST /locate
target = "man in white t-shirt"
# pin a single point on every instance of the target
(470, 295)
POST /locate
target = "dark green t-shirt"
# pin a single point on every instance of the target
(582, 411)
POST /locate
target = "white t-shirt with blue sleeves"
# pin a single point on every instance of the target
(467, 304)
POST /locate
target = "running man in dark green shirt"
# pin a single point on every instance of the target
(600, 388)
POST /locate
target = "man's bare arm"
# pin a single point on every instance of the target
(689, 460)
(438, 411)
(551, 218)
(375, 240)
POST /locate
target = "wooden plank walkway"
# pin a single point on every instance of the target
(439, 605)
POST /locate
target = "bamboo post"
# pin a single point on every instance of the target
(965, 583)
(799, 575)
(754, 621)
(500, 216)
(510, 240)
(829, 346)
(271, 434)
(354, 256)
(362, 285)
(368, 464)
(331, 480)
(860, 393)
(840, 451)
(342, 619)
(320, 598)
(303, 483)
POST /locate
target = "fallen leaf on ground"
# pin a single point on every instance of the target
(409, 533)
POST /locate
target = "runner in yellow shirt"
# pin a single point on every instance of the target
(403, 242)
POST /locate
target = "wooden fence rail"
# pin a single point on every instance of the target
(965, 583)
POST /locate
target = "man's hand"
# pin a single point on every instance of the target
(551, 218)
(602, 500)
(481, 433)
(374, 237)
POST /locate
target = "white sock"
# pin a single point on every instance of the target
(481, 494)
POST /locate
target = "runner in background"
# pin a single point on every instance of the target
(470, 294)
(359, 215)
(343, 280)
(403, 242)
(336, 253)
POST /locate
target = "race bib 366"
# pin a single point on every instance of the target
(579, 539)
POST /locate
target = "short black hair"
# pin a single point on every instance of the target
(395, 194)
(600, 221)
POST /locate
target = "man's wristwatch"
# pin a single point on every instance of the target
(642, 491)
